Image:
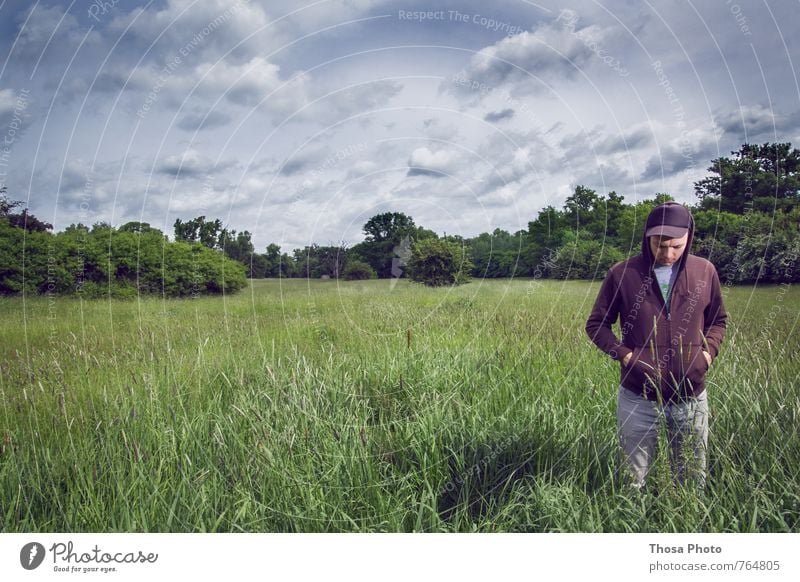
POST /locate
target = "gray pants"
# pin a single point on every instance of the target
(638, 422)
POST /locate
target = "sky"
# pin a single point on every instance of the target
(298, 121)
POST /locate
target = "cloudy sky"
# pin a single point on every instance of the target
(298, 121)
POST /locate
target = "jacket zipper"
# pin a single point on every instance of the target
(667, 304)
(669, 333)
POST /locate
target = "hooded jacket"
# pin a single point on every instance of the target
(667, 362)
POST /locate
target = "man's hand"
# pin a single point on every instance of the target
(627, 359)
(708, 357)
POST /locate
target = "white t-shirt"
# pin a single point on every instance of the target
(664, 276)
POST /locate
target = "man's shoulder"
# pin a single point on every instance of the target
(698, 265)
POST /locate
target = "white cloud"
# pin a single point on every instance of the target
(439, 130)
(425, 162)
(334, 105)
(257, 83)
(362, 168)
(8, 102)
(206, 30)
(50, 29)
(551, 51)
(191, 163)
(519, 165)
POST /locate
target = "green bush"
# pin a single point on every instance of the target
(358, 271)
(584, 259)
(104, 262)
(438, 262)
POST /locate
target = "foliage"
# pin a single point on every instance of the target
(277, 264)
(103, 261)
(584, 258)
(439, 262)
(317, 261)
(389, 226)
(498, 254)
(207, 232)
(22, 219)
(358, 271)
(765, 178)
(387, 235)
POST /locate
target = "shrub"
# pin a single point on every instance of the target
(106, 262)
(584, 259)
(358, 271)
(438, 262)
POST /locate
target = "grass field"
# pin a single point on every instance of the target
(368, 406)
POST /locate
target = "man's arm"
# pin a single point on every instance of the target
(715, 317)
(603, 315)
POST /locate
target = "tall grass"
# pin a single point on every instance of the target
(365, 406)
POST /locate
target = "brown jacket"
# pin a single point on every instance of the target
(667, 362)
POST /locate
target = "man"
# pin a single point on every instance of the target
(672, 322)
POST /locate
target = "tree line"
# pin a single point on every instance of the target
(747, 217)
(105, 261)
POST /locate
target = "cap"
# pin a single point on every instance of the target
(671, 219)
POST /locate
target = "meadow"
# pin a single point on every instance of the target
(369, 406)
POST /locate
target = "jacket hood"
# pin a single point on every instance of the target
(647, 254)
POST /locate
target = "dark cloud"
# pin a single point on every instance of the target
(672, 160)
(191, 164)
(599, 142)
(201, 121)
(750, 123)
(605, 177)
(416, 171)
(632, 140)
(496, 116)
(307, 158)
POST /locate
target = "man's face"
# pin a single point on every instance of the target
(668, 251)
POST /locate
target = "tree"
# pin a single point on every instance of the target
(209, 233)
(238, 246)
(437, 262)
(389, 226)
(23, 219)
(631, 222)
(497, 254)
(580, 205)
(273, 261)
(385, 235)
(610, 211)
(757, 177)
(316, 261)
(584, 259)
(331, 260)
(138, 228)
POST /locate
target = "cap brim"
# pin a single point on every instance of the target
(666, 230)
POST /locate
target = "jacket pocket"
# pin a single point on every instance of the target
(695, 365)
(642, 369)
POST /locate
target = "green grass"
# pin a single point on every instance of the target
(362, 406)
